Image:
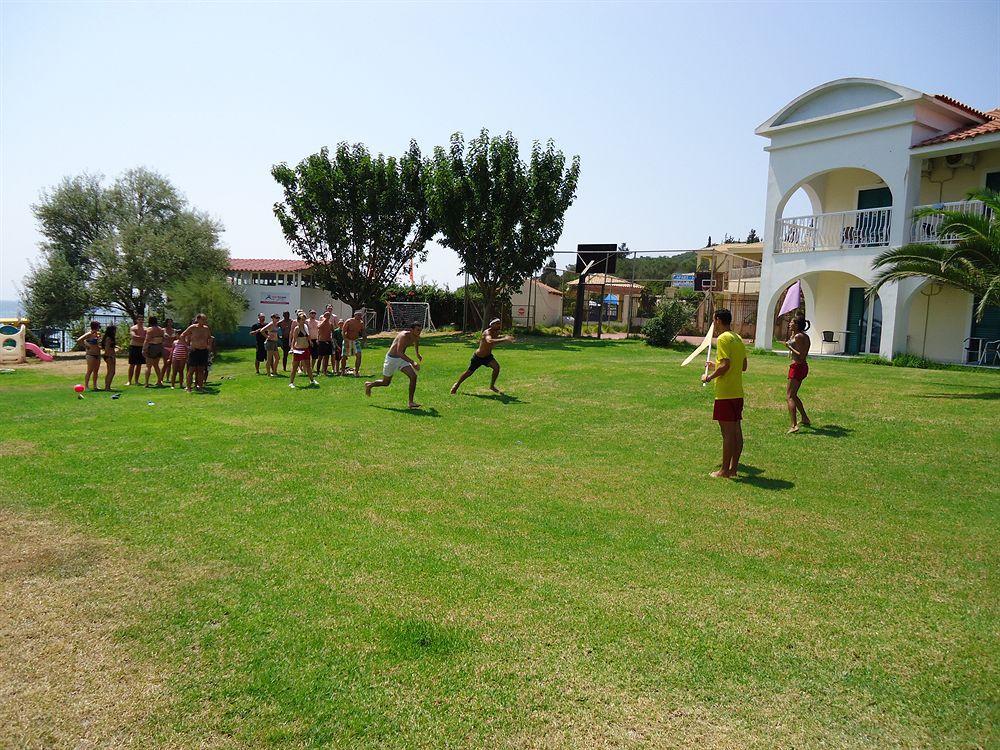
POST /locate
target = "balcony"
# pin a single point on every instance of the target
(925, 228)
(844, 230)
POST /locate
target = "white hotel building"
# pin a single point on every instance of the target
(867, 153)
(276, 286)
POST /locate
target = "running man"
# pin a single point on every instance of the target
(396, 361)
(727, 372)
(798, 344)
(198, 338)
(353, 328)
(261, 354)
(137, 338)
(483, 356)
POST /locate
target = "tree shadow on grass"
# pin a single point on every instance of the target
(503, 398)
(423, 411)
(755, 477)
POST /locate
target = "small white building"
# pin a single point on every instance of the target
(277, 286)
(867, 153)
(536, 304)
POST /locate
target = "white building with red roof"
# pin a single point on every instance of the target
(277, 285)
(867, 153)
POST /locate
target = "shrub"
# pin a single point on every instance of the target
(671, 316)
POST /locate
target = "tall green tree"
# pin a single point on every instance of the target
(125, 243)
(215, 297)
(971, 262)
(752, 237)
(502, 216)
(55, 293)
(355, 218)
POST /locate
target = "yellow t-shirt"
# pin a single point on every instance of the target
(730, 347)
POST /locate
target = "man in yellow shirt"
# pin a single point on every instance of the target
(727, 372)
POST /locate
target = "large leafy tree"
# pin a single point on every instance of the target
(971, 261)
(500, 215)
(122, 245)
(357, 219)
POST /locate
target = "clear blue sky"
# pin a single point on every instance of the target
(659, 100)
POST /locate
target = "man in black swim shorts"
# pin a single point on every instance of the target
(483, 356)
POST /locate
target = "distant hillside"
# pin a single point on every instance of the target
(660, 267)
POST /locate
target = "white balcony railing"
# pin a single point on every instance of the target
(925, 228)
(837, 231)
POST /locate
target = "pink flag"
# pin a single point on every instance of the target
(792, 299)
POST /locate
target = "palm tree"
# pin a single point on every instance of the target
(971, 262)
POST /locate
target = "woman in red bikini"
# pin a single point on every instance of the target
(798, 344)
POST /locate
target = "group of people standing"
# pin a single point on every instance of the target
(163, 350)
(318, 345)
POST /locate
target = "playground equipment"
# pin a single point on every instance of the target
(13, 346)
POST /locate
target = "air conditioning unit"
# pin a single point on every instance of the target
(955, 161)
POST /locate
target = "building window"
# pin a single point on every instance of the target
(993, 181)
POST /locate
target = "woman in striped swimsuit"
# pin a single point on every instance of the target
(178, 361)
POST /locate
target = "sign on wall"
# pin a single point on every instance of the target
(682, 280)
(274, 299)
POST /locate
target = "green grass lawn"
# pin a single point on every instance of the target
(552, 568)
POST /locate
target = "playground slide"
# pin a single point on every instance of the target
(34, 349)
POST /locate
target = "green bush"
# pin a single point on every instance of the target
(671, 316)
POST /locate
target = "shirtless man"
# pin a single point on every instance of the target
(198, 337)
(152, 350)
(325, 342)
(396, 360)
(353, 328)
(798, 344)
(137, 334)
(483, 356)
(313, 335)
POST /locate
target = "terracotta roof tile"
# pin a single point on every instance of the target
(992, 125)
(956, 103)
(547, 288)
(267, 265)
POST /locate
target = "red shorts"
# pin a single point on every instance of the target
(304, 357)
(728, 410)
(798, 371)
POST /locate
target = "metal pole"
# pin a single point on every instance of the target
(600, 310)
(631, 298)
(465, 305)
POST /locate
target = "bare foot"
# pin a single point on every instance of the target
(806, 423)
(368, 390)
(414, 405)
(454, 389)
(794, 428)
(494, 389)
(720, 474)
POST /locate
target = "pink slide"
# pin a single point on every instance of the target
(33, 348)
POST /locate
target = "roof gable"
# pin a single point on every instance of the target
(838, 97)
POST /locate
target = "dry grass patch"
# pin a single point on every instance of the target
(66, 680)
